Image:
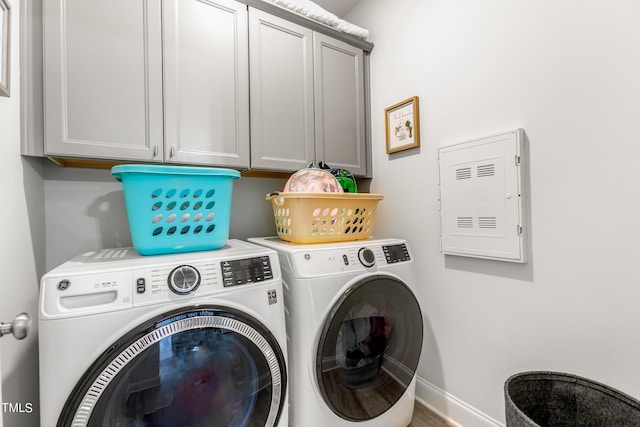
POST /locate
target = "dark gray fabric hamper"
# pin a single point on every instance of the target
(552, 399)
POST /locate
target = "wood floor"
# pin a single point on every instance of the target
(424, 417)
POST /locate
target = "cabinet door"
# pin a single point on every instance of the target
(339, 104)
(206, 82)
(281, 73)
(103, 79)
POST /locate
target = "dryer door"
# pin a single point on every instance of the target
(369, 348)
(202, 366)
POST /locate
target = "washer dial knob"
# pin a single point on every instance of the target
(184, 279)
(366, 257)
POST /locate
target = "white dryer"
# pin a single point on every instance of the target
(354, 331)
(193, 339)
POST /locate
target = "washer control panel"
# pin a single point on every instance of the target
(117, 279)
(249, 270)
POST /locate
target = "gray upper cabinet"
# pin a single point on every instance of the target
(147, 80)
(281, 76)
(206, 82)
(339, 104)
(103, 79)
(241, 84)
(307, 98)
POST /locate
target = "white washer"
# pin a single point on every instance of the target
(192, 339)
(354, 330)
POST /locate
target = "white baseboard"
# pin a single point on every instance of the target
(450, 407)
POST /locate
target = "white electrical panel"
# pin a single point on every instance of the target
(481, 198)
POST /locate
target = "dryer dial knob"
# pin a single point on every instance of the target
(366, 257)
(184, 279)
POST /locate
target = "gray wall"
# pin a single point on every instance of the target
(21, 257)
(567, 72)
(85, 210)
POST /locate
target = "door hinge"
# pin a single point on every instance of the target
(519, 230)
(517, 160)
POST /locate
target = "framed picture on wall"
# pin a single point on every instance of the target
(5, 46)
(402, 125)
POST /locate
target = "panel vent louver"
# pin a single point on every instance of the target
(465, 222)
(463, 173)
(486, 170)
(487, 222)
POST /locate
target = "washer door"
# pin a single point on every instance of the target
(200, 366)
(369, 348)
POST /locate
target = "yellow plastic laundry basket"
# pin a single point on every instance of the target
(324, 217)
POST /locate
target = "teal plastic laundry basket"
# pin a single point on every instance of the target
(174, 209)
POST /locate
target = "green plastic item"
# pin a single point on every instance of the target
(345, 178)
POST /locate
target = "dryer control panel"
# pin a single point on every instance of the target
(396, 253)
(353, 256)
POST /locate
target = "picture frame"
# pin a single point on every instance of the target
(402, 123)
(5, 47)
